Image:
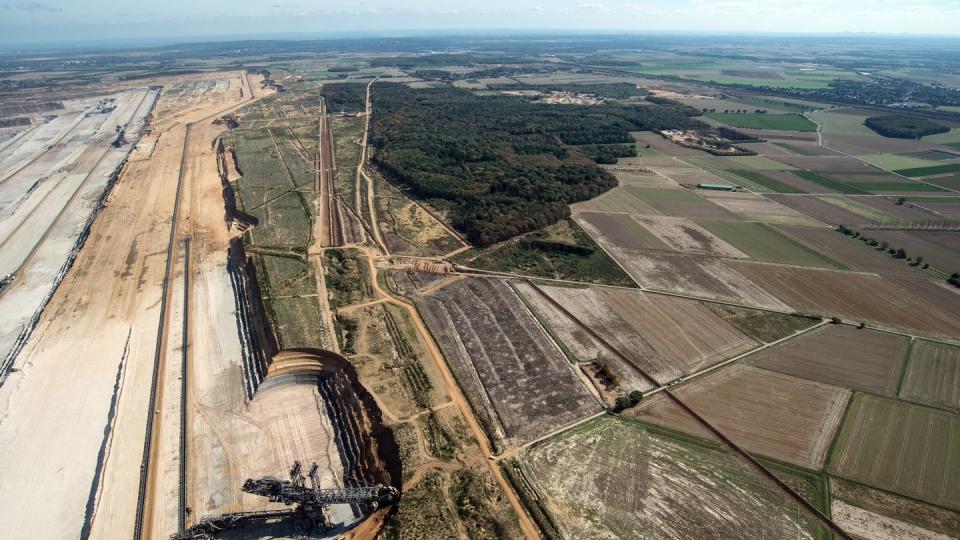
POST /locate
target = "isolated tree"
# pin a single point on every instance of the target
(636, 396)
(900, 253)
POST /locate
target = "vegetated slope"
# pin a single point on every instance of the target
(499, 164)
(899, 126)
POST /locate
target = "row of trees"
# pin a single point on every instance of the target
(501, 165)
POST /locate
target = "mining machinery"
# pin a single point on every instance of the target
(309, 502)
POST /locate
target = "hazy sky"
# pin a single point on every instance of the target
(65, 20)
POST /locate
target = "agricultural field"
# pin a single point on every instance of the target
(618, 199)
(765, 243)
(933, 375)
(910, 518)
(615, 478)
(900, 447)
(783, 122)
(842, 356)
(852, 253)
(762, 326)
(765, 412)
(679, 203)
(940, 249)
(661, 336)
(922, 306)
(517, 379)
(686, 236)
(753, 207)
(559, 251)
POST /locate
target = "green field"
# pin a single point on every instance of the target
(908, 449)
(843, 122)
(617, 478)
(781, 122)
(949, 182)
(903, 187)
(830, 183)
(757, 163)
(764, 243)
(931, 170)
(857, 207)
(770, 184)
(892, 162)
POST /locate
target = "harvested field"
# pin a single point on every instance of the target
(908, 305)
(517, 379)
(703, 277)
(904, 212)
(765, 243)
(666, 337)
(753, 207)
(948, 182)
(853, 253)
(829, 164)
(940, 249)
(842, 356)
(617, 199)
(933, 375)
(680, 203)
(900, 447)
(822, 210)
(620, 230)
(685, 174)
(854, 205)
(750, 406)
(613, 478)
(767, 182)
(641, 179)
(686, 236)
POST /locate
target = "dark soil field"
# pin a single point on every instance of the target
(776, 415)
(940, 249)
(853, 253)
(822, 210)
(842, 356)
(900, 447)
(933, 375)
(906, 211)
(918, 305)
(515, 376)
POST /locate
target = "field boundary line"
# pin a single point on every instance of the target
(904, 366)
(740, 356)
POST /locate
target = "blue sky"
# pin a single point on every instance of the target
(65, 20)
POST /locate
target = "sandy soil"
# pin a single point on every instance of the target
(865, 524)
(73, 465)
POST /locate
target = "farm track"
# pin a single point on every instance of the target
(750, 460)
(146, 490)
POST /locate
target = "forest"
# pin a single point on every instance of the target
(899, 126)
(501, 165)
(346, 97)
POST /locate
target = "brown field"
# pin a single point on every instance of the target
(948, 210)
(905, 211)
(687, 175)
(874, 144)
(516, 378)
(940, 249)
(929, 517)
(765, 412)
(900, 447)
(666, 337)
(916, 305)
(617, 199)
(686, 236)
(619, 230)
(842, 356)
(830, 164)
(701, 277)
(852, 252)
(933, 375)
(822, 210)
(753, 207)
(615, 478)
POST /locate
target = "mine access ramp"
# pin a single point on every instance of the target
(310, 503)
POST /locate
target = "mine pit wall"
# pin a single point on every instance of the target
(366, 446)
(232, 216)
(258, 342)
(27, 330)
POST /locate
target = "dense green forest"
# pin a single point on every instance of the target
(501, 165)
(608, 153)
(899, 126)
(347, 97)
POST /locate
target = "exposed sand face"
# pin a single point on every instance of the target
(72, 417)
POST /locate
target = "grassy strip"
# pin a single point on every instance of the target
(904, 367)
(927, 171)
(830, 183)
